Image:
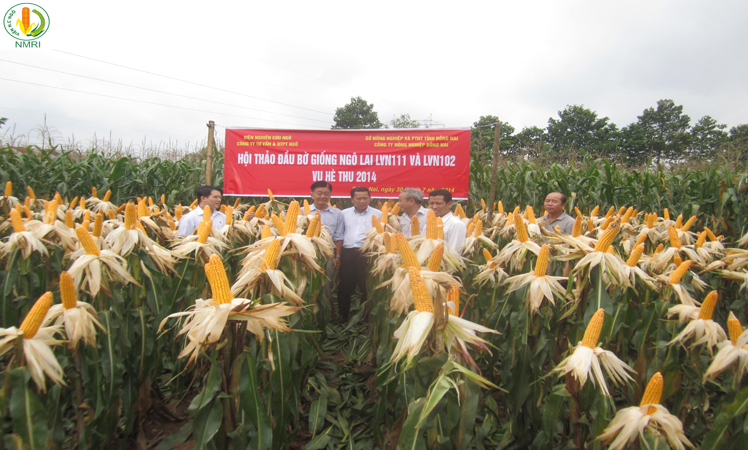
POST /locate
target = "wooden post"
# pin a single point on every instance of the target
(209, 161)
(494, 172)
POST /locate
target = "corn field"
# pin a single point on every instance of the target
(626, 333)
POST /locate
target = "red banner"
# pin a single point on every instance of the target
(386, 161)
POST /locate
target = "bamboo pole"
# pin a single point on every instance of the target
(494, 171)
(209, 161)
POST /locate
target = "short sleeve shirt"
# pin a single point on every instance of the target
(564, 221)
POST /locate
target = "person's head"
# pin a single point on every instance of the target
(209, 195)
(410, 200)
(321, 193)
(555, 203)
(360, 197)
(440, 201)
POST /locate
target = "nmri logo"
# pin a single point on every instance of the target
(26, 22)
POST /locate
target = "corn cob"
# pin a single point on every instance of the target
(112, 215)
(674, 239)
(439, 228)
(27, 212)
(530, 214)
(610, 212)
(87, 241)
(734, 328)
(278, 224)
(69, 219)
(677, 260)
(608, 236)
(459, 212)
(18, 208)
(393, 245)
(606, 223)
(193, 205)
(678, 273)
(689, 223)
(641, 239)
(578, 212)
(267, 232)
(627, 215)
(610, 250)
(107, 195)
(270, 194)
(31, 193)
(292, 215)
(27, 201)
(409, 256)
(577, 230)
(435, 261)
(271, 255)
(376, 224)
(207, 213)
(143, 210)
(510, 220)
(592, 332)
(659, 249)
(15, 219)
(178, 212)
(385, 215)
(82, 203)
(35, 317)
(454, 297)
(636, 254)
(73, 203)
(470, 229)
(430, 225)
(58, 197)
(131, 216)
(519, 225)
(590, 224)
(318, 227)
(482, 204)
(679, 222)
(421, 298)
(707, 308)
(387, 242)
(500, 207)
(595, 211)
(710, 234)
(395, 209)
(223, 209)
(307, 211)
(86, 224)
(203, 231)
(229, 215)
(653, 393)
(415, 226)
(215, 272)
(622, 210)
(479, 228)
(702, 238)
(541, 266)
(516, 209)
(651, 220)
(666, 214)
(67, 291)
(487, 255)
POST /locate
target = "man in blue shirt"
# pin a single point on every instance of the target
(353, 264)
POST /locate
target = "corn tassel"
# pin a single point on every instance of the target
(435, 261)
(376, 224)
(519, 225)
(409, 256)
(707, 308)
(635, 256)
(734, 328)
(15, 219)
(35, 317)
(454, 297)
(607, 238)
(68, 294)
(271, 255)
(87, 242)
(678, 273)
(541, 265)
(421, 298)
(653, 393)
(267, 232)
(689, 223)
(592, 332)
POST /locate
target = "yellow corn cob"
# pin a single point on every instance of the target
(385, 216)
(530, 214)
(307, 211)
(710, 234)
(653, 393)
(203, 231)
(460, 212)
(636, 254)
(635, 213)
(267, 232)
(640, 240)
(31, 193)
(172, 225)
(251, 209)
(69, 219)
(87, 216)
(292, 215)
(112, 215)
(592, 332)
(94, 192)
(454, 297)
(608, 236)
(627, 215)
(590, 224)
(278, 224)
(430, 225)
(143, 210)
(421, 298)
(678, 273)
(409, 256)
(595, 211)
(387, 242)
(67, 291)
(27, 212)
(18, 208)
(393, 245)
(229, 215)
(193, 205)
(215, 272)
(666, 214)
(677, 260)
(271, 255)
(500, 207)
(376, 224)
(606, 223)
(27, 202)
(577, 230)
(318, 227)
(510, 220)
(622, 210)
(207, 213)
(487, 255)
(674, 239)
(150, 201)
(34, 318)
(439, 228)
(541, 265)
(131, 216)
(108, 195)
(610, 212)
(679, 222)
(73, 203)
(86, 224)
(379, 205)
(610, 250)
(87, 241)
(578, 212)
(519, 225)
(482, 204)
(435, 261)
(479, 228)
(734, 328)
(707, 308)
(156, 210)
(270, 194)
(470, 229)
(689, 223)
(702, 238)
(178, 212)
(516, 209)
(58, 197)
(82, 203)
(659, 249)
(395, 209)
(15, 219)
(415, 226)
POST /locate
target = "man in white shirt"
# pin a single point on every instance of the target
(332, 220)
(206, 196)
(353, 263)
(410, 204)
(440, 201)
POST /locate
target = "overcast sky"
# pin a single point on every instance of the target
(290, 64)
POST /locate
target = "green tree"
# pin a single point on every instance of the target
(579, 128)
(532, 140)
(404, 121)
(706, 136)
(633, 144)
(358, 114)
(2, 121)
(482, 137)
(739, 132)
(666, 130)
